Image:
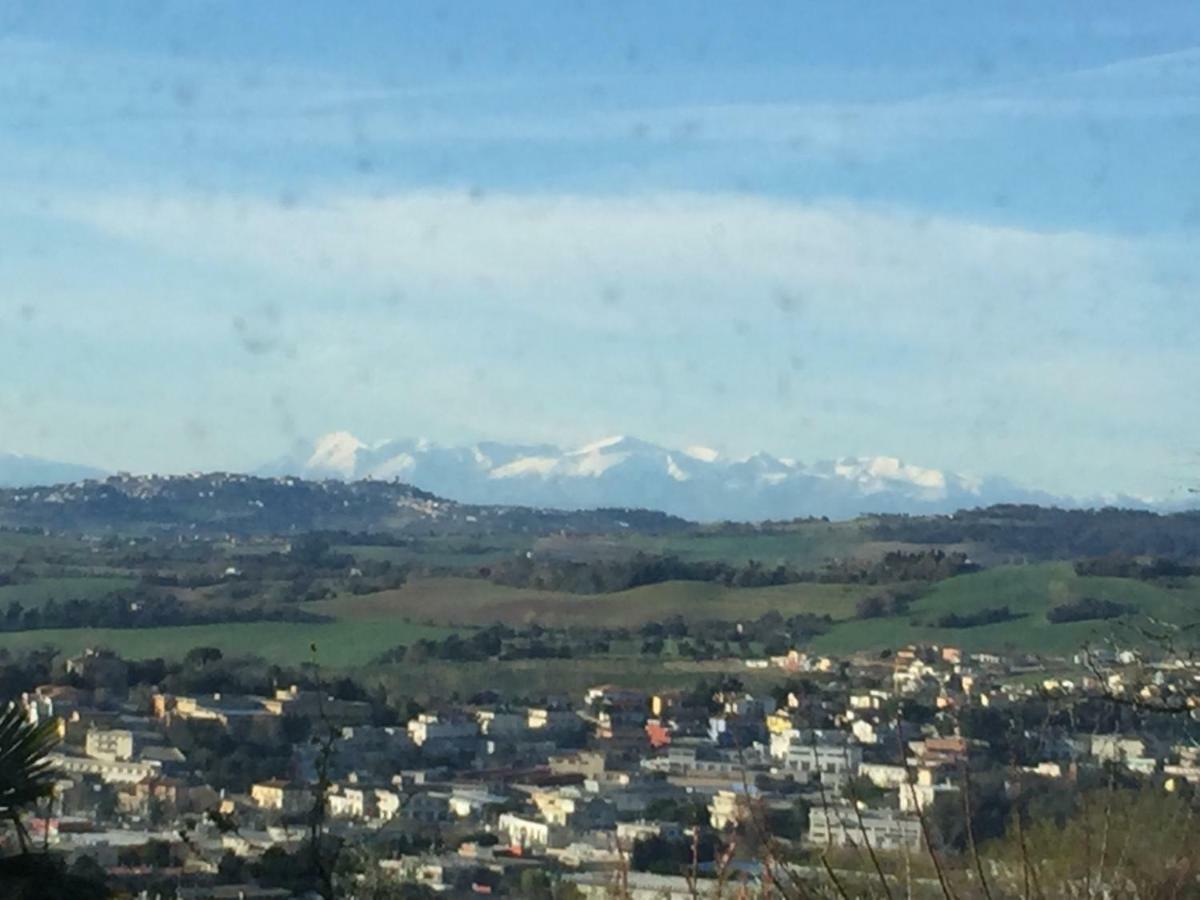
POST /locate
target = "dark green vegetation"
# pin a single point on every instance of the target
(1034, 532)
(267, 567)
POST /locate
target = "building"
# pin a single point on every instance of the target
(495, 724)
(102, 668)
(588, 763)
(918, 797)
(110, 771)
(552, 721)
(110, 744)
(829, 759)
(337, 713)
(628, 833)
(281, 796)
(840, 826)
(727, 809)
(427, 808)
(530, 835)
(884, 775)
(433, 731)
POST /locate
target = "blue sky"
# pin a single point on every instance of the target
(963, 234)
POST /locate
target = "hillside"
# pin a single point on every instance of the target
(271, 565)
(218, 503)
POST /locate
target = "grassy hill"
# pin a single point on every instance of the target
(466, 601)
(343, 643)
(443, 557)
(365, 626)
(1029, 591)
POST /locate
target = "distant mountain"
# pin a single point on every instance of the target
(695, 483)
(17, 470)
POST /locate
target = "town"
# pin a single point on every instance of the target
(857, 764)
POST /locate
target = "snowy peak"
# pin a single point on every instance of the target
(878, 473)
(696, 482)
(335, 454)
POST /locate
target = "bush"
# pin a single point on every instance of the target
(990, 616)
(1086, 608)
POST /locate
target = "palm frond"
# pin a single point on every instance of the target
(25, 770)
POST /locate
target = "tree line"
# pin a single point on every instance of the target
(124, 609)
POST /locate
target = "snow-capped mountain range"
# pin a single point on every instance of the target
(696, 482)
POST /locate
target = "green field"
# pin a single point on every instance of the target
(805, 545)
(369, 624)
(441, 551)
(1028, 590)
(469, 601)
(85, 587)
(343, 643)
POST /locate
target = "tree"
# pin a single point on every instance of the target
(231, 869)
(25, 776)
(198, 657)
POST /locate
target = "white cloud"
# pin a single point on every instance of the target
(826, 329)
(656, 261)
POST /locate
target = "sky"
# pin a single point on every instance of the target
(962, 234)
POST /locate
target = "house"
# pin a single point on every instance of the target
(570, 807)
(613, 710)
(439, 874)
(919, 796)
(353, 801)
(937, 751)
(872, 700)
(528, 834)
(292, 701)
(471, 802)
(170, 794)
(792, 661)
(588, 763)
(727, 809)
(387, 803)
(628, 833)
(427, 808)
(240, 715)
(281, 796)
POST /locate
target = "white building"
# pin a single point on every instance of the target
(882, 829)
(884, 775)
(110, 744)
(429, 728)
(530, 834)
(831, 763)
(111, 771)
